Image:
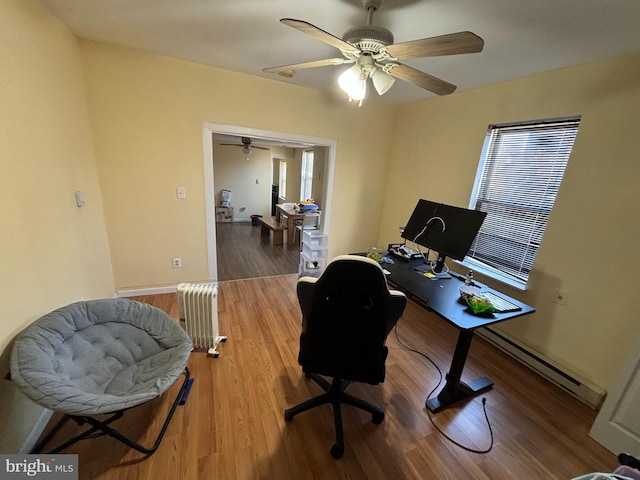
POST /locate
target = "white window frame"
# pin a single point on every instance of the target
(282, 180)
(519, 174)
(306, 175)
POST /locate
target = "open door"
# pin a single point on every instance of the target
(209, 129)
(617, 426)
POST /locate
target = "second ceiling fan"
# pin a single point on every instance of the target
(247, 145)
(374, 55)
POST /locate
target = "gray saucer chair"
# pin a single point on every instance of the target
(101, 357)
(347, 314)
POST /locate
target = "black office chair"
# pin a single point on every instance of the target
(347, 314)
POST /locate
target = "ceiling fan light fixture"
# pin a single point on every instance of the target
(382, 81)
(349, 78)
(353, 82)
(246, 150)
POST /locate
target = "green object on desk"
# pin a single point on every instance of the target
(375, 256)
(480, 305)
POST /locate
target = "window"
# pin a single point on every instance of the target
(282, 179)
(306, 178)
(520, 170)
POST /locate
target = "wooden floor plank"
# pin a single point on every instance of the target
(242, 253)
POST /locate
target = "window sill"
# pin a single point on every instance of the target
(491, 272)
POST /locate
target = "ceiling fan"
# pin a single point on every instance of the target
(246, 145)
(374, 55)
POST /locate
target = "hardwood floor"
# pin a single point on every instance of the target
(242, 253)
(233, 427)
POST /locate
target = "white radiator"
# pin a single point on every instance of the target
(198, 305)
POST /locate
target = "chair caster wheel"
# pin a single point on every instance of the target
(336, 451)
(377, 418)
(288, 416)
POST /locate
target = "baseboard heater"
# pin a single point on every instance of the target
(587, 393)
(198, 307)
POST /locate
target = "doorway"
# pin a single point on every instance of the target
(211, 129)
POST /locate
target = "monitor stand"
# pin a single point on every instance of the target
(442, 275)
(426, 268)
(439, 267)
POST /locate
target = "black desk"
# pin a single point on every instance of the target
(442, 296)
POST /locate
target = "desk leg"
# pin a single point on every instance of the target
(455, 390)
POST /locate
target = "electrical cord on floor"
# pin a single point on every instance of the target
(484, 401)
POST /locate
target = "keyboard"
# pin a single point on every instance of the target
(500, 304)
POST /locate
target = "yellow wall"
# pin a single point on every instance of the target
(148, 112)
(294, 173)
(590, 248)
(53, 252)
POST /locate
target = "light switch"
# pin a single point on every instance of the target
(181, 193)
(80, 200)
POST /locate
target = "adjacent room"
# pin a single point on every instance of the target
(252, 180)
(150, 144)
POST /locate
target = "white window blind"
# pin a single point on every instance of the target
(517, 182)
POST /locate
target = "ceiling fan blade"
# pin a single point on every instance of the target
(319, 34)
(450, 44)
(421, 79)
(258, 147)
(299, 66)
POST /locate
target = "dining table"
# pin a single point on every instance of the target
(291, 215)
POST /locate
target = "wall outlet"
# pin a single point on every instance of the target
(560, 296)
(181, 193)
(177, 262)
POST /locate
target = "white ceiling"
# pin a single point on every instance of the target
(522, 37)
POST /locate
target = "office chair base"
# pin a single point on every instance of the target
(336, 396)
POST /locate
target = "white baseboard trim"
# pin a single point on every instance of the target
(136, 292)
(586, 392)
(160, 290)
(35, 433)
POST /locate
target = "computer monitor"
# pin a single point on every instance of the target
(448, 230)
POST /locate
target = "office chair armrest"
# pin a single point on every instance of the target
(304, 289)
(307, 279)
